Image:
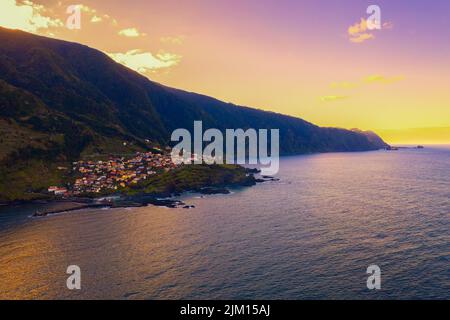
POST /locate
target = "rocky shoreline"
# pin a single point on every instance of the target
(135, 201)
(76, 206)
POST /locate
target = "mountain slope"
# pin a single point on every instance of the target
(296, 135)
(60, 101)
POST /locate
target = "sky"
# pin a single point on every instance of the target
(313, 59)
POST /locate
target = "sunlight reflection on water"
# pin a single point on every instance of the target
(311, 235)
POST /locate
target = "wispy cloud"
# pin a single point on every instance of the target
(144, 62)
(96, 16)
(359, 32)
(26, 16)
(332, 98)
(387, 25)
(376, 78)
(360, 38)
(131, 32)
(87, 9)
(173, 40)
(95, 19)
(347, 85)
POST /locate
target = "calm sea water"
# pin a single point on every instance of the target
(311, 235)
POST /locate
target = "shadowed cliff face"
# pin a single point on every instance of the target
(62, 100)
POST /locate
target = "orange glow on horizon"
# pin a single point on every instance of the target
(267, 56)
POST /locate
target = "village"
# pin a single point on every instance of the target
(94, 177)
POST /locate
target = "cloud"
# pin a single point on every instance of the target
(357, 28)
(95, 19)
(362, 37)
(87, 9)
(332, 98)
(131, 32)
(96, 16)
(372, 79)
(173, 40)
(26, 16)
(144, 62)
(388, 25)
(359, 32)
(344, 85)
(376, 78)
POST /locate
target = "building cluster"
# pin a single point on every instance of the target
(115, 173)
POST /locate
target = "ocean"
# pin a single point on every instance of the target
(311, 235)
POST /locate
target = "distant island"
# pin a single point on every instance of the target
(63, 102)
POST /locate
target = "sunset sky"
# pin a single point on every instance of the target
(311, 59)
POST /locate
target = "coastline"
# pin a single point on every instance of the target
(143, 199)
(138, 197)
(206, 179)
